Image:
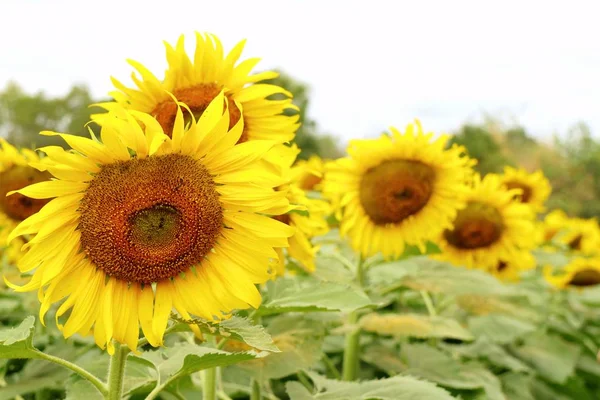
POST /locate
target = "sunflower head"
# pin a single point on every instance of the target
(198, 79)
(152, 222)
(309, 173)
(403, 188)
(492, 228)
(534, 187)
(508, 269)
(579, 274)
(16, 173)
(580, 235)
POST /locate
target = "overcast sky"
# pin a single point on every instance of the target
(370, 64)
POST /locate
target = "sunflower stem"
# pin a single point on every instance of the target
(209, 384)
(78, 370)
(255, 394)
(116, 372)
(351, 349)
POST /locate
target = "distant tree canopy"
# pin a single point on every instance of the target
(23, 115)
(308, 137)
(572, 164)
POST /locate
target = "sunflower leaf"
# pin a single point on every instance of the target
(183, 359)
(552, 357)
(414, 325)
(237, 328)
(499, 328)
(308, 295)
(431, 364)
(424, 273)
(18, 342)
(396, 388)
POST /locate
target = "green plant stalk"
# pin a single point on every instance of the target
(428, 303)
(351, 348)
(78, 370)
(255, 394)
(209, 384)
(116, 372)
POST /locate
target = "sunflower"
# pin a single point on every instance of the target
(15, 173)
(579, 273)
(554, 222)
(311, 173)
(308, 219)
(492, 228)
(580, 235)
(150, 223)
(510, 268)
(397, 189)
(535, 187)
(196, 82)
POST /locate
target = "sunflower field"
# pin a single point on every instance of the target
(182, 250)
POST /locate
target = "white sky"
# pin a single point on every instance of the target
(370, 63)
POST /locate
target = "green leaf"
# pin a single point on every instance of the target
(484, 349)
(396, 388)
(431, 364)
(18, 342)
(78, 388)
(300, 342)
(414, 325)
(499, 328)
(553, 358)
(295, 295)
(384, 358)
(589, 365)
(516, 386)
(237, 328)
(424, 273)
(183, 359)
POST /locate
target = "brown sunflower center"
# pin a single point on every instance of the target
(395, 190)
(501, 266)
(285, 218)
(525, 196)
(310, 181)
(575, 243)
(477, 225)
(586, 277)
(197, 98)
(17, 206)
(149, 219)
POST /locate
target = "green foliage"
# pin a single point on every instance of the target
(287, 295)
(396, 388)
(481, 145)
(23, 115)
(308, 137)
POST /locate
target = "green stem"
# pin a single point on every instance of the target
(351, 348)
(209, 384)
(428, 303)
(78, 370)
(116, 372)
(255, 395)
(331, 367)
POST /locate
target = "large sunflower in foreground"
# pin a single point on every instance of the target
(491, 229)
(197, 80)
(15, 173)
(400, 189)
(579, 273)
(151, 223)
(535, 187)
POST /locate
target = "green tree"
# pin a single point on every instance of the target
(23, 115)
(482, 146)
(308, 137)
